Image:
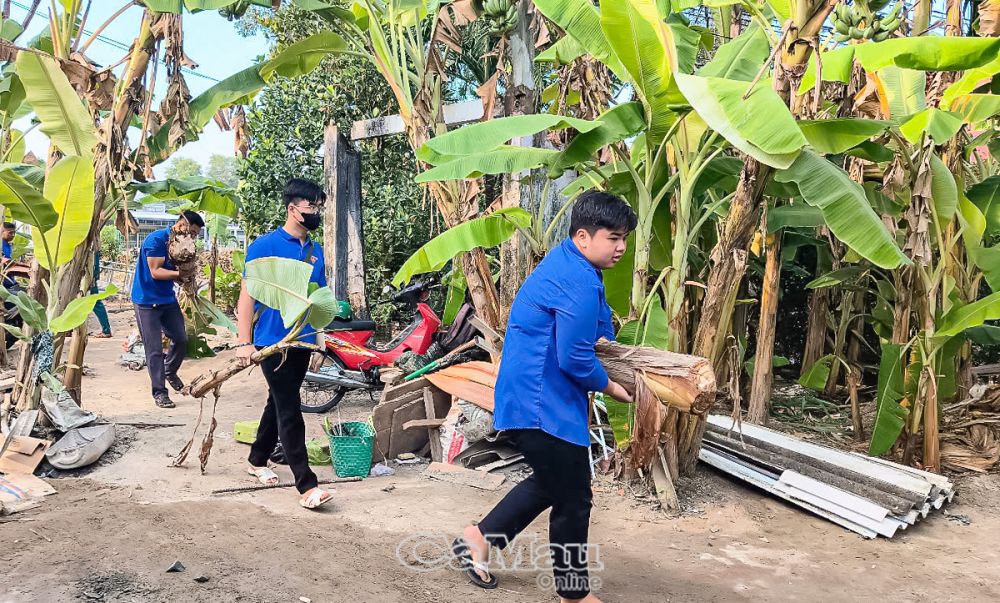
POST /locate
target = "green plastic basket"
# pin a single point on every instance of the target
(351, 448)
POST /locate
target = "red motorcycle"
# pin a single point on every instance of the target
(352, 360)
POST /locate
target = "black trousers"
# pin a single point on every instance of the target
(282, 416)
(155, 322)
(561, 481)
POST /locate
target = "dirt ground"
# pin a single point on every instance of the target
(111, 534)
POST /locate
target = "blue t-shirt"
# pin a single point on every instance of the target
(549, 363)
(147, 291)
(270, 329)
(8, 252)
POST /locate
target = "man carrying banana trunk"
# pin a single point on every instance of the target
(547, 368)
(282, 417)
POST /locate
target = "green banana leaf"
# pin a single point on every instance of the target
(618, 280)
(25, 202)
(720, 173)
(563, 52)
(739, 58)
(904, 89)
(487, 231)
(203, 193)
(70, 186)
(960, 318)
(928, 53)
(604, 176)
(975, 108)
(323, 308)
(12, 94)
(332, 12)
(78, 310)
(870, 151)
(969, 81)
(944, 191)
(580, 20)
(834, 136)
(502, 160)
(814, 377)
(484, 136)
(836, 277)
(890, 416)
(986, 197)
(177, 6)
(845, 208)
(616, 124)
(282, 284)
(984, 334)
(799, 215)
(939, 125)
(303, 56)
(776, 362)
(31, 312)
(654, 328)
(64, 118)
(457, 286)
(775, 141)
(782, 9)
(648, 49)
(837, 65)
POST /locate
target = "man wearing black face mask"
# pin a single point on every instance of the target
(282, 416)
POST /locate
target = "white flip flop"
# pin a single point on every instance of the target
(264, 475)
(316, 499)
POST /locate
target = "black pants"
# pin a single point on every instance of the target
(560, 481)
(155, 322)
(282, 417)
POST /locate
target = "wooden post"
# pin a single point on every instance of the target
(343, 232)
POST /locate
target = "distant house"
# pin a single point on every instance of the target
(154, 216)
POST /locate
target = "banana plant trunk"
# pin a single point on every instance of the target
(213, 264)
(519, 98)
(819, 306)
(763, 378)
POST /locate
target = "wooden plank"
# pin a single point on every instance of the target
(465, 477)
(382, 420)
(404, 388)
(423, 424)
(401, 441)
(343, 237)
(433, 434)
(454, 114)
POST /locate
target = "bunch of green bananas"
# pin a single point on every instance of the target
(853, 23)
(501, 16)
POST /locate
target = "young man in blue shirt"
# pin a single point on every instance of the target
(282, 417)
(6, 237)
(547, 368)
(156, 309)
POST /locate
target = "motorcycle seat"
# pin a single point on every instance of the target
(350, 325)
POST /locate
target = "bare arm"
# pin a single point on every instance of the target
(244, 325)
(158, 272)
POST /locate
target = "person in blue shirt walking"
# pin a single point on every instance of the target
(281, 419)
(156, 309)
(547, 368)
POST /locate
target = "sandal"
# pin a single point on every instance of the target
(316, 499)
(101, 335)
(264, 475)
(464, 556)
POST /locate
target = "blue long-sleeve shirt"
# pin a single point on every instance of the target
(548, 363)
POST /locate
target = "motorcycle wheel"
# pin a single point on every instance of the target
(318, 398)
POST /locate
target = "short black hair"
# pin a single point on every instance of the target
(300, 189)
(595, 210)
(9, 225)
(193, 218)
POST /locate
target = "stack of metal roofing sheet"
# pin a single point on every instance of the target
(870, 496)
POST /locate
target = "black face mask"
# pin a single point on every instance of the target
(311, 221)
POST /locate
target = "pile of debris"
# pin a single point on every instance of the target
(75, 440)
(869, 496)
(970, 433)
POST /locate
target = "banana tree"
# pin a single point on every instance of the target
(405, 42)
